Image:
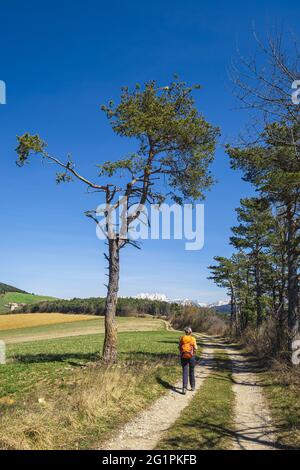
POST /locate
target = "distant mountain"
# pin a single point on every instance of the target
(222, 306)
(186, 302)
(220, 303)
(219, 306)
(163, 298)
(154, 296)
(225, 308)
(4, 288)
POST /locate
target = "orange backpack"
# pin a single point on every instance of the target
(187, 347)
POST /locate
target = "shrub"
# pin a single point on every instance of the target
(203, 320)
(264, 341)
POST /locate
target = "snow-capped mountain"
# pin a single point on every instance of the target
(220, 303)
(185, 301)
(164, 298)
(153, 296)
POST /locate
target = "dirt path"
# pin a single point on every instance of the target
(146, 430)
(252, 424)
(253, 428)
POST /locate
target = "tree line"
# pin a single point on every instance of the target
(262, 275)
(126, 306)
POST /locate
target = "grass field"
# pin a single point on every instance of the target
(26, 320)
(32, 327)
(53, 395)
(17, 297)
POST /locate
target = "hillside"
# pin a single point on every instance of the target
(6, 288)
(8, 295)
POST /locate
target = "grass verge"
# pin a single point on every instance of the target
(282, 390)
(206, 422)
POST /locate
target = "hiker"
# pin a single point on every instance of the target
(187, 348)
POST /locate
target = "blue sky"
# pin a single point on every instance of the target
(60, 61)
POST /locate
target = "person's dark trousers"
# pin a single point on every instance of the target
(188, 371)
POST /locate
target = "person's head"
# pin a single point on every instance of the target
(188, 330)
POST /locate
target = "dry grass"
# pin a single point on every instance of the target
(85, 408)
(282, 388)
(27, 320)
(262, 341)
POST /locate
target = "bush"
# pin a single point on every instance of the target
(264, 341)
(201, 320)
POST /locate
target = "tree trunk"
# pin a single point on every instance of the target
(259, 312)
(293, 287)
(234, 312)
(236, 316)
(280, 308)
(237, 312)
(110, 341)
(231, 311)
(281, 312)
